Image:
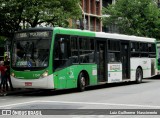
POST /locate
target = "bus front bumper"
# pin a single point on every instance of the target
(41, 83)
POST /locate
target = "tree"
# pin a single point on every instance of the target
(18, 14)
(135, 17)
(2, 41)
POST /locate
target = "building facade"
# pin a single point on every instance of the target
(91, 14)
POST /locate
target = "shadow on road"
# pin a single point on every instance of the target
(156, 77)
(71, 91)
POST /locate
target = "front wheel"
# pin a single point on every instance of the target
(81, 82)
(139, 75)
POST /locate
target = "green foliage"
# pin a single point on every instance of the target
(2, 41)
(18, 14)
(135, 17)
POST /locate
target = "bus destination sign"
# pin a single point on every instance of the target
(32, 34)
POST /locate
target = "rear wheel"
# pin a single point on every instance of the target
(81, 82)
(139, 75)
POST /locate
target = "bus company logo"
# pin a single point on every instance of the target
(71, 74)
(115, 67)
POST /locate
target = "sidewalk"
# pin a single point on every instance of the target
(13, 92)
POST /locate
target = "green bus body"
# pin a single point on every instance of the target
(46, 76)
(64, 78)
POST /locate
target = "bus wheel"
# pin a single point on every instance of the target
(139, 75)
(81, 82)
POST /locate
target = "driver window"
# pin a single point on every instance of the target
(61, 51)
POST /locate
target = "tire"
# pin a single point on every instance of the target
(139, 76)
(81, 82)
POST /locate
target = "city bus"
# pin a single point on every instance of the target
(61, 58)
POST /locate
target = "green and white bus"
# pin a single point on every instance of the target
(59, 58)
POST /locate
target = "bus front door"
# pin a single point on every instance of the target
(101, 61)
(125, 60)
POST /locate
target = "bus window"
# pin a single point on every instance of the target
(113, 51)
(152, 50)
(114, 57)
(144, 49)
(62, 52)
(135, 49)
(31, 53)
(74, 50)
(86, 50)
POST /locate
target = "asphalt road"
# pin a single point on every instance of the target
(111, 100)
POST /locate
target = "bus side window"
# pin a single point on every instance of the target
(62, 51)
(113, 51)
(86, 50)
(135, 48)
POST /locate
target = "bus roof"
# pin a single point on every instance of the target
(111, 35)
(94, 34)
(76, 32)
(124, 37)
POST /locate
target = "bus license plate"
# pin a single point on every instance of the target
(28, 83)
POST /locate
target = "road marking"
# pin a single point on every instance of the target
(94, 116)
(9, 105)
(85, 103)
(110, 104)
(3, 99)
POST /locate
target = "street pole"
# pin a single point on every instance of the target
(84, 19)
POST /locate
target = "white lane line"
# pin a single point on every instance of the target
(9, 105)
(3, 99)
(94, 103)
(95, 116)
(85, 103)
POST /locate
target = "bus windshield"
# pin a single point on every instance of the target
(31, 53)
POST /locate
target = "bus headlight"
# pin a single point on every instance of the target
(12, 74)
(45, 74)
